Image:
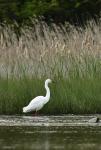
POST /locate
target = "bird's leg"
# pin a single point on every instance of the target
(36, 113)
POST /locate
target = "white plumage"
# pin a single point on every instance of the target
(38, 102)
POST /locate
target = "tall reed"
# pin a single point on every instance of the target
(70, 55)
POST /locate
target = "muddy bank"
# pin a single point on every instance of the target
(64, 120)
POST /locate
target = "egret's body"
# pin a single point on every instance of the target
(38, 102)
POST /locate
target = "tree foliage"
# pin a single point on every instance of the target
(20, 10)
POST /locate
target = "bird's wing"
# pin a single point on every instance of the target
(36, 101)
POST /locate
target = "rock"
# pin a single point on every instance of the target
(94, 120)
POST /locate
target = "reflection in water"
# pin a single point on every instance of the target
(50, 138)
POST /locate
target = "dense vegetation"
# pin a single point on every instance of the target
(58, 10)
(70, 56)
(35, 51)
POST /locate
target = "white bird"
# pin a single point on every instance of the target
(38, 102)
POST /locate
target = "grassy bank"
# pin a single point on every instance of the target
(67, 95)
(69, 55)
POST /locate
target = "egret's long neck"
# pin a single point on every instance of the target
(47, 92)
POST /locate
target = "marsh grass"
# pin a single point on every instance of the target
(70, 55)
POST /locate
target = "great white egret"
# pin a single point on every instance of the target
(38, 102)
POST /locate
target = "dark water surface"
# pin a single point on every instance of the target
(49, 133)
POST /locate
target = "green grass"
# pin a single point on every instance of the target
(73, 95)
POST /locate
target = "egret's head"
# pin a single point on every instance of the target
(48, 81)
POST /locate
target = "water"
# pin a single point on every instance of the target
(49, 133)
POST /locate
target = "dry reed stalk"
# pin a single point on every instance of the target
(44, 50)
